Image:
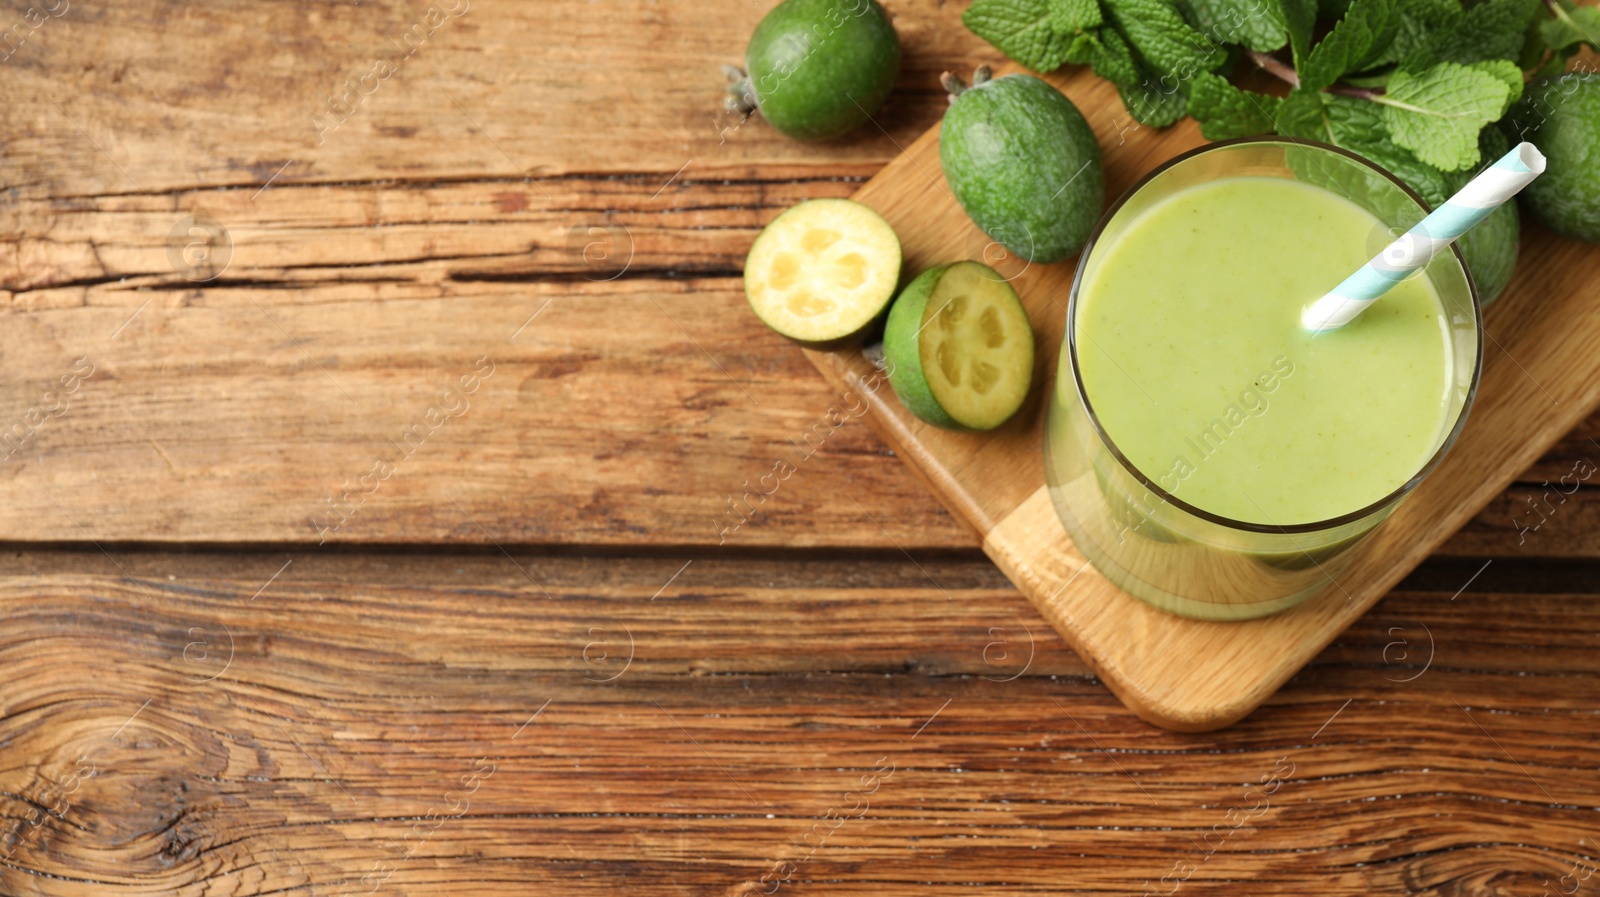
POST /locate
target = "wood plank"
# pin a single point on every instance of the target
(625, 412)
(360, 689)
(403, 237)
(502, 88)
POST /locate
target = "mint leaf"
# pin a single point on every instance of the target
(1153, 103)
(1492, 144)
(1300, 115)
(1572, 25)
(1112, 58)
(1418, 24)
(1258, 24)
(1021, 30)
(1358, 126)
(1352, 123)
(1506, 71)
(1378, 78)
(1163, 39)
(1225, 111)
(1351, 41)
(1083, 48)
(1380, 51)
(1299, 17)
(1438, 114)
(1493, 29)
(1074, 16)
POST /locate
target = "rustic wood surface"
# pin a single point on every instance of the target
(201, 699)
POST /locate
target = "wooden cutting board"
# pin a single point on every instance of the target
(1541, 377)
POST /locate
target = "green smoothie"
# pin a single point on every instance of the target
(1193, 357)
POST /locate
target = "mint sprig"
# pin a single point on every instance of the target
(1074, 16)
(1413, 85)
(1348, 43)
(1571, 25)
(1254, 24)
(1163, 40)
(1021, 29)
(1225, 111)
(1437, 114)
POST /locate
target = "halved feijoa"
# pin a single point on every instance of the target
(823, 271)
(959, 347)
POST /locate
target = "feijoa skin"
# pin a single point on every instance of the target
(1490, 250)
(1490, 247)
(1561, 116)
(959, 348)
(819, 68)
(1023, 163)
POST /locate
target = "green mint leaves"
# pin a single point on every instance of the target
(1437, 114)
(1572, 25)
(1021, 29)
(1348, 43)
(1225, 111)
(1414, 85)
(1255, 24)
(1442, 32)
(1074, 16)
(1167, 43)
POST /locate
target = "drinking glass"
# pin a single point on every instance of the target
(1179, 557)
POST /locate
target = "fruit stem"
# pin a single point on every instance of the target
(954, 86)
(741, 96)
(1360, 93)
(1275, 67)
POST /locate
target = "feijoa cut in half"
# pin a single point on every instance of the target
(817, 68)
(959, 347)
(823, 272)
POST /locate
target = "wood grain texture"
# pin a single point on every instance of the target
(558, 86)
(260, 729)
(496, 171)
(368, 269)
(287, 739)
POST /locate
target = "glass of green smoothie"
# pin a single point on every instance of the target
(1207, 453)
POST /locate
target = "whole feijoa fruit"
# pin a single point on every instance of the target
(817, 68)
(1561, 116)
(1490, 250)
(1023, 163)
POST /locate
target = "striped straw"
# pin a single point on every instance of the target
(1482, 195)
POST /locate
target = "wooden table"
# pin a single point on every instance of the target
(285, 613)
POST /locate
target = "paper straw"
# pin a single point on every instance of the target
(1482, 195)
